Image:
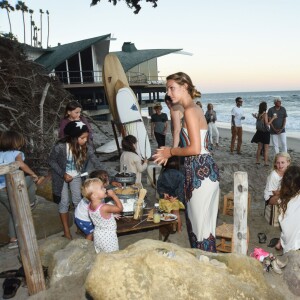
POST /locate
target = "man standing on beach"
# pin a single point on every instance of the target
(237, 115)
(159, 125)
(277, 127)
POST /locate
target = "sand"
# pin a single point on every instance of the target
(228, 164)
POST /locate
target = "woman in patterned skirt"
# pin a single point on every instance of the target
(201, 172)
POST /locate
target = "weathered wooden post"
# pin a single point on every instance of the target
(240, 229)
(19, 203)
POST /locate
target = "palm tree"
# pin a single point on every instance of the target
(41, 18)
(22, 7)
(8, 7)
(31, 24)
(47, 12)
(130, 3)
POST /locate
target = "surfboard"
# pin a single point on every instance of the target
(111, 73)
(132, 120)
(109, 147)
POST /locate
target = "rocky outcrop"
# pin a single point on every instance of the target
(151, 269)
(75, 259)
(291, 272)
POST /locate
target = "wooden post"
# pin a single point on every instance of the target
(116, 136)
(19, 203)
(240, 212)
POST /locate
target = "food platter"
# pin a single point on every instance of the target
(168, 217)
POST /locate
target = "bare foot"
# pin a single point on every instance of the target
(278, 246)
(67, 236)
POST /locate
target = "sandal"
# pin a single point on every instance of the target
(262, 238)
(273, 242)
(13, 273)
(10, 287)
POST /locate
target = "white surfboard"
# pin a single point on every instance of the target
(132, 120)
(109, 147)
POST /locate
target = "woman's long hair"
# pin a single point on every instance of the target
(79, 152)
(128, 143)
(290, 186)
(262, 108)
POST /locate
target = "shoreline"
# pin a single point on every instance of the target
(293, 143)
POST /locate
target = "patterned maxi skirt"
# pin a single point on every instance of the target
(202, 200)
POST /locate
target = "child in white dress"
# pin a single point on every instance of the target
(82, 217)
(105, 233)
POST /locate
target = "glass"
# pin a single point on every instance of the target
(137, 210)
(156, 213)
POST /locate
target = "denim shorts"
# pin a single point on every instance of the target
(85, 226)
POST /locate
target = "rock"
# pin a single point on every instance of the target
(70, 287)
(151, 269)
(292, 272)
(75, 259)
(49, 247)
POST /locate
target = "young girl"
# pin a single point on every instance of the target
(131, 159)
(170, 187)
(10, 144)
(68, 159)
(73, 113)
(82, 218)
(290, 206)
(105, 233)
(281, 162)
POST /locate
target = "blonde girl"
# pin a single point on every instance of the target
(68, 159)
(281, 162)
(105, 232)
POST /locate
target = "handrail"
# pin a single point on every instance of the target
(90, 76)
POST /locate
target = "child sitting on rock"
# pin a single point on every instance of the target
(105, 232)
(82, 218)
(170, 187)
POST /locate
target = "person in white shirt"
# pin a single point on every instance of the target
(237, 115)
(290, 209)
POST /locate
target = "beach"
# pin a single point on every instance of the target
(228, 165)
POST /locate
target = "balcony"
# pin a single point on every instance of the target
(95, 78)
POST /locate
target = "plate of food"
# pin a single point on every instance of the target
(168, 217)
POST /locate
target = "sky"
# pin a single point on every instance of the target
(237, 45)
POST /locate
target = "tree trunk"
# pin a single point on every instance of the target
(42, 107)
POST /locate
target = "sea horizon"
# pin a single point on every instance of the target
(224, 102)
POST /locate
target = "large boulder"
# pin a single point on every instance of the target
(151, 269)
(75, 259)
(291, 273)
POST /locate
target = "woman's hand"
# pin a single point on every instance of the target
(67, 177)
(162, 155)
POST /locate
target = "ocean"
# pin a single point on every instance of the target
(224, 102)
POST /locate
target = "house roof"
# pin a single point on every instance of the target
(131, 57)
(57, 55)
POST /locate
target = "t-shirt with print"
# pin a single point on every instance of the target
(238, 113)
(70, 166)
(159, 121)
